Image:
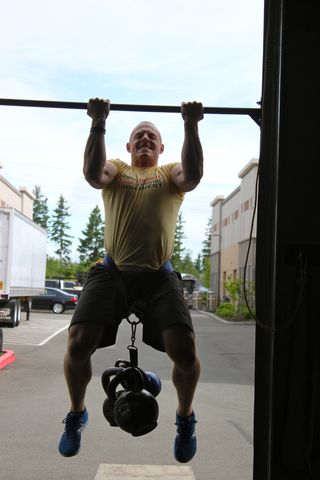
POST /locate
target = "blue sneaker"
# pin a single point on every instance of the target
(185, 445)
(70, 441)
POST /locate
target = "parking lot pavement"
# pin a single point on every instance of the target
(34, 401)
(37, 331)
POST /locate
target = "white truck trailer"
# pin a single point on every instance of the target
(23, 249)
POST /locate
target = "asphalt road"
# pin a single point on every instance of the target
(33, 402)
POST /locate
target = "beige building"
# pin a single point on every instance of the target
(231, 225)
(21, 199)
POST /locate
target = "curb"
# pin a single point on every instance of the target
(7, 358)
(228, 322)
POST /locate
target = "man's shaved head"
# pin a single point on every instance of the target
(148, 125)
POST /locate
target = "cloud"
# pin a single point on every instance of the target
(173, 39)
(146, 52)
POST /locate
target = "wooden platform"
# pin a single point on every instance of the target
(108, 471)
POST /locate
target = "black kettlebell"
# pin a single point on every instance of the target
(108, 404)
(135, 409)
(152, 382)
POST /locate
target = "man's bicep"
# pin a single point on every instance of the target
(108, 173)
(180, 181)
(177, 173)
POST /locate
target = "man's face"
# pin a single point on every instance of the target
(145, 145)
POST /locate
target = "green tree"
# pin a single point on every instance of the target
(56, 269)
(91, 246)
(40, 208)
(206, 272)
(205, 256)
(233, 288)
(187, 265)
(206, 244)
(178, 248)
(59, 228)
(198, 263)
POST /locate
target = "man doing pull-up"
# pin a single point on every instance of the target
(142, 202)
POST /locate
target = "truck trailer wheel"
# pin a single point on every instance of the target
(17, 313)
(58, 307)
(13, 313)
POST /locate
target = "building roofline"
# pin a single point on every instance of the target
(254, 162)
(26, 192)
(232, 194)
(217, 199)
(8, 184)
(22, 190)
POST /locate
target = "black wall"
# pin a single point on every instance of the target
(287, 383)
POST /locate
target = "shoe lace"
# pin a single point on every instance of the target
(73, 424)
(185, 428)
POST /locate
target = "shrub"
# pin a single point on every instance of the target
(225, 310)
(244, 312)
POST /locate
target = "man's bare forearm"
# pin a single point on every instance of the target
(95, 152)
(192, 154)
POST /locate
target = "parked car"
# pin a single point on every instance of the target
(54, 299)
(68, 286)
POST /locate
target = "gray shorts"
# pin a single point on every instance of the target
(158, 299)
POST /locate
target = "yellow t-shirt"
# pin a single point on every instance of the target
(141, 210)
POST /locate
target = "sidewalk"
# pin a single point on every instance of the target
(228, 322)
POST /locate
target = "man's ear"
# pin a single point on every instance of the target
(161, 148)
(128, 147)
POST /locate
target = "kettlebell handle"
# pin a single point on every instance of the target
(109, 372)
(131, 377)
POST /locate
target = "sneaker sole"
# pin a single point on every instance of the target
(68, 456)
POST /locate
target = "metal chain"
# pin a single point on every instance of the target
(133, 330)
(133, 350)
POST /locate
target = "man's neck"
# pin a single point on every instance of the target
(143, 163)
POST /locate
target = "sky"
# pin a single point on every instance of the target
(144, 52)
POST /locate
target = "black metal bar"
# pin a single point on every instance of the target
(254, 113)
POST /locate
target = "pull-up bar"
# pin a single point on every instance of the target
(254, 113)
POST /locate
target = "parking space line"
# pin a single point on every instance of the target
(53, 335)
(34, 332)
